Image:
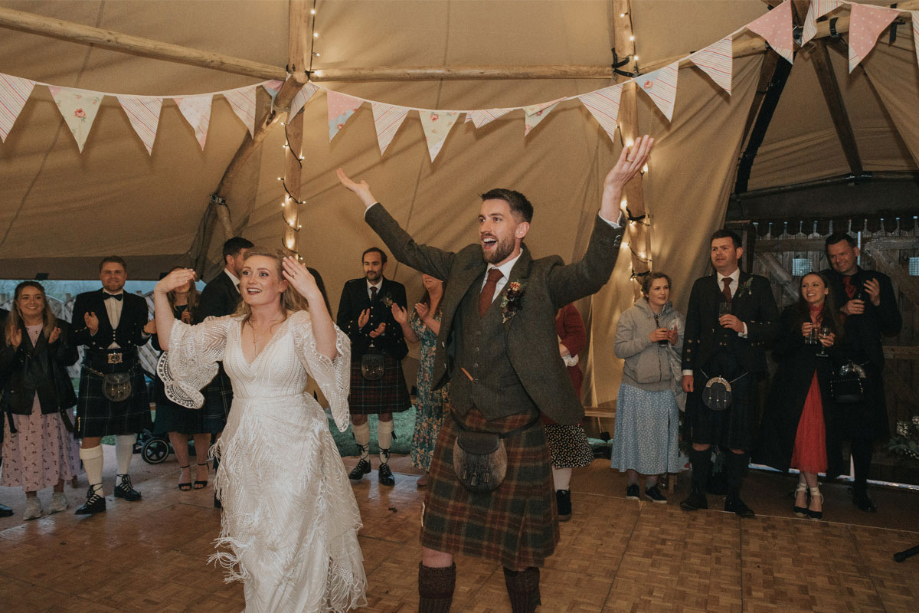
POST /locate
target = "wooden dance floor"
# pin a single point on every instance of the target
(615, 554)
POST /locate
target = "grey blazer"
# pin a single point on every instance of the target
(547, 284)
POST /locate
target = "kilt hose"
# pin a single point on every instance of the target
(99, 416)
(517, 524)
(388, 394)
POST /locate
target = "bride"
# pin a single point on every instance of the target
(289, 520)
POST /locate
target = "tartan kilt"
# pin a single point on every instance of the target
(517, 524)
(388, 394)
(98, 416)
(218, 398)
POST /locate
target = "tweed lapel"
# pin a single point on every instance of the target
(460, 283)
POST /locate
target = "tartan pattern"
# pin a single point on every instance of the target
(515, 525)
(218, 398)
(388, 394)
(98, 416)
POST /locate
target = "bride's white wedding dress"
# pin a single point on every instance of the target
(289, 520)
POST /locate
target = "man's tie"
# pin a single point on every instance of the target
(373, 293)
(488, 292)
(114, 296)
(727, 289)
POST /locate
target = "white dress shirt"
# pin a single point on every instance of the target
(378, 285)
(113, 309)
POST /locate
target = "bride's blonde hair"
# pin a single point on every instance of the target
(291, 300)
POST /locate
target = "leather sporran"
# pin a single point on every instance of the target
(847, 386)
(717, 394)
(117, 387)
(372, 365)
(479, 461)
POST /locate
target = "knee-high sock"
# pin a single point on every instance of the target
(862, 449)
(435, 588)
(384, 439)
(701, 468)
(362, 438)
(735, 467)
(92, 463)
(124, 451)
(562, 477)
(523, 589)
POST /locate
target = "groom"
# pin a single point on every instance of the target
(498, 348)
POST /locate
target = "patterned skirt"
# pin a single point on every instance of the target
(569, 446)
(41, 453)
(517, 524)
(647, 431)
(389, 394)
(211, 418)
(99, 416)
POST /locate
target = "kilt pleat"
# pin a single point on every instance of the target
(517, 524)
(389, 394)
(99, 416)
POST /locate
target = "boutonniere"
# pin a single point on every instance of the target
(387, 300)
(512, 300)
(744, 288)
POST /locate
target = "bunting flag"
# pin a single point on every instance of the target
(817, 9)
(79, 109)
(144, 114)
(717, 61)
(775, 26)
(341, 107)
(303, 96)
(660, 85)
(914, 17)
(603, 104)
(242, 101)
(387, 119)
(483, 117)
(197, 111)
(272, 87)
(14, 92)
(534, 114)
(436, 126)
(865, 25)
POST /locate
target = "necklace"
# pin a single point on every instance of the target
(256, 338)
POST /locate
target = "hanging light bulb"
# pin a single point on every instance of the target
(315, 34)
(632, 38)
(312, 11)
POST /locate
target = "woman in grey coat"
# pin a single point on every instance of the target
(649, 337)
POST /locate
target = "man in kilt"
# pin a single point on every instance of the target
(109, 323)
(498, 348)
(219, 298)
(377, 349)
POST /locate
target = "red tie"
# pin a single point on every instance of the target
(850, 289)
(727, 289)
(488, 292)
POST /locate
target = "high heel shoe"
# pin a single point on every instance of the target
(814, 495)
(185, 485)
(199, 484)
(799, 511)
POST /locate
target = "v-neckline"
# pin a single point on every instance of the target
(265, 348)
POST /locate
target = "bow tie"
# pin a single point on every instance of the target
(114, 296)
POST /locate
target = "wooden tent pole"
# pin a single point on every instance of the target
(298, 55)
(79, 33)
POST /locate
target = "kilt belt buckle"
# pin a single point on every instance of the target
(480, 458)
(114, 358)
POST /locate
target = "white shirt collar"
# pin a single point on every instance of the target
(378, 285)
(506, 267)
(734, 276)
(233, 277)
(118, 293)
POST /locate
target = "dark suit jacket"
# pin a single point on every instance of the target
(218, 298)
(129, 333)
(354, 299)
(753, 304)
(548, 284)
(38, 369)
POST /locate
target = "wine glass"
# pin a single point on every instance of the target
(812, 336)
(824, 333)
(724, 308)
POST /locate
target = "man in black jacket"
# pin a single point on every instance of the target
(869, 308)
(109, 323)
(731, 318)
(377, 349)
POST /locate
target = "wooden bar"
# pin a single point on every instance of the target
(827, 77)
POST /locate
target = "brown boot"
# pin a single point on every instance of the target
(435, 588)
(523, 589)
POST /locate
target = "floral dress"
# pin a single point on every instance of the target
(430, 404)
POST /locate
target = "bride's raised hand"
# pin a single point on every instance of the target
(175, 279)
(300, 278)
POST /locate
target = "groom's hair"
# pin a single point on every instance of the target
(519, 204)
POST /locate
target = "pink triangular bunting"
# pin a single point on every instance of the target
(144, 114)
(387, 119)
(272, 87)
(303, 96)
(534, 114)
(660, 86)
(79, 109)
(437, 126)
(717, 61)
(341, 107)
(197, 111)
(603, 104)
(817, 9)
(242, 101)
(486, 116)
(14, 92)
(865, 25)
(776, 27)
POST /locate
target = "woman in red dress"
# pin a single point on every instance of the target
(799, 428)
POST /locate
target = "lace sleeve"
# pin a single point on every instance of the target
(332, 376)
(191, 362)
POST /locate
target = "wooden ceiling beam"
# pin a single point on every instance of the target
(820, 57)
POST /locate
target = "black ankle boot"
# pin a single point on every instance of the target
(435, 588)
(523, 589)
